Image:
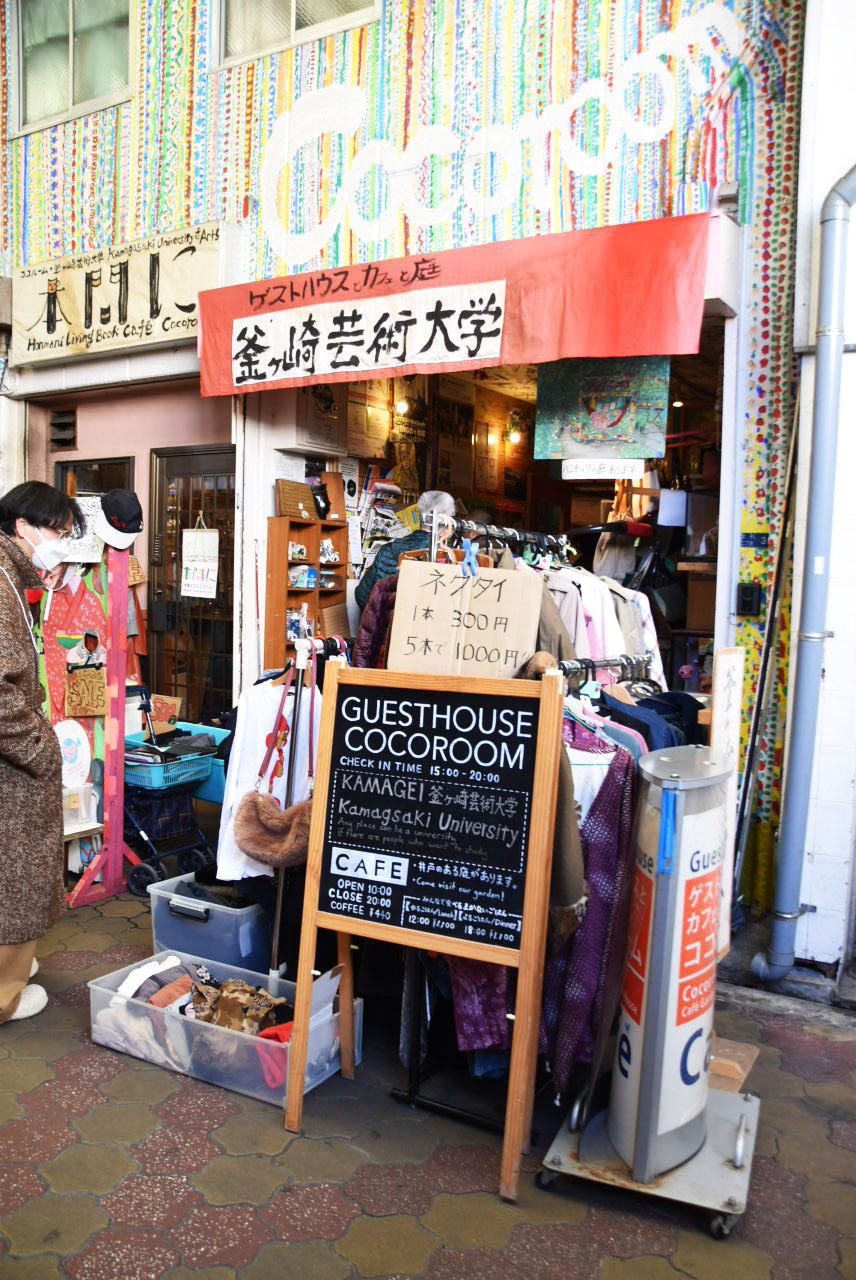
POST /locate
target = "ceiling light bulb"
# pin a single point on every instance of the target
(401, 406)
(677, 404)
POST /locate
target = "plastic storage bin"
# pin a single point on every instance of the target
(212, 787)
(233, 935)
(230, 1059)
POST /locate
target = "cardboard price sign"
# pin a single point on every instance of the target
(449, 623)
(165, 712)
(432, 827)
(85, 692)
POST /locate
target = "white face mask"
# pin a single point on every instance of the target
(49, 553)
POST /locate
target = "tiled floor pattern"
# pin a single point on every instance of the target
(112, 1169)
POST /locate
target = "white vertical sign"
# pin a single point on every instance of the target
(725, 737)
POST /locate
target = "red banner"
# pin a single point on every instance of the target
(634, 290)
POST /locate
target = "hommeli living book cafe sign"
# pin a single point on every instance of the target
(128, 295)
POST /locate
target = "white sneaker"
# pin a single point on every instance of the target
(33, 1000)
(34, 967)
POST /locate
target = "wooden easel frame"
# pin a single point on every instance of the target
(528, 959)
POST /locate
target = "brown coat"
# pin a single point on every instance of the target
(31, 847)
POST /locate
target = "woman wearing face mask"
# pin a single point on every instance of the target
(35, 521)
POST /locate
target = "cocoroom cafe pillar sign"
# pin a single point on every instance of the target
(432, 827)
(127, 295)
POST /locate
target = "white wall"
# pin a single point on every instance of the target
(13, 443)
(827, 152)
(257, 437)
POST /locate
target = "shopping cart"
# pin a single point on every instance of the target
(160, 819)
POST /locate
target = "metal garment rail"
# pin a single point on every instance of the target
(494, 533)
(629, 666)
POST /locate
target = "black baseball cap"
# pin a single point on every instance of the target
(120, 519)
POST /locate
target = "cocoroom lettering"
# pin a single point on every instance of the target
(708, 38)
(420, 731)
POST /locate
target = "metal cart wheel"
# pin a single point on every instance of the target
(722, 1224)
(194, 860)
(142, 875)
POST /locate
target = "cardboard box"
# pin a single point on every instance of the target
(447, 622)
(165, 712)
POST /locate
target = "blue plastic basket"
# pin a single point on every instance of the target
(214, 784)
(168, 773)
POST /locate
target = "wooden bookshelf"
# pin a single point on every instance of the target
(284, 564)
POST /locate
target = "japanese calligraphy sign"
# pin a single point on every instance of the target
(432, 826)
(603, 469)
(614, 291)
(364, 334)
(449, 623)
(128, 295)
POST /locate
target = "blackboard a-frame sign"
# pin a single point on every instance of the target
(432, 826)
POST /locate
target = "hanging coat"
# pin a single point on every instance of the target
(32, 897)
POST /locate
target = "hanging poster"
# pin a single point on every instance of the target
(88, 548)
(199, 562)
(368, 428)
(485, 477)
(349, 470)
(377, 429)
(485, 460)
(598, 409)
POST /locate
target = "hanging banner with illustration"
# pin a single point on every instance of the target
(602, 409)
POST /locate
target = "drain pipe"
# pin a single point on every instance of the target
(835, 225)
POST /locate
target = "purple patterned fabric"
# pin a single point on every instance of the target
(574, 979)
(374, 624)
(480, 999)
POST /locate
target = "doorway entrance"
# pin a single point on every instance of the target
(190, 639)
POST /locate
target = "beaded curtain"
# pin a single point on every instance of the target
(718, 101)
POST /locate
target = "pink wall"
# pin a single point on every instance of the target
(130, 423)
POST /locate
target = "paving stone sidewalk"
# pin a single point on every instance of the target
(113, 1169)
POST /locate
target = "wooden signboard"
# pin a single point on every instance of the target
(432, 827)
(85, 692)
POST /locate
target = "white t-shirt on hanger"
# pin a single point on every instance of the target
(257, 709)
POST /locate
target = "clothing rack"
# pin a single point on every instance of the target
(325, 647)
(545, 542)
(628, 666)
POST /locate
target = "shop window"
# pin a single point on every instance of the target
(63, 429)
(84, 479)
(73, 57)
(252, 27)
